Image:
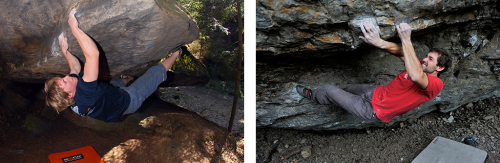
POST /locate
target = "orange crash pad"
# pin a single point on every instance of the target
(85, 154)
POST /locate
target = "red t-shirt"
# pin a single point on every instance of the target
(402, 95)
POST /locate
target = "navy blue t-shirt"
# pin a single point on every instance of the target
(99, 100)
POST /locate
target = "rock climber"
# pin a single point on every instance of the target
(414, 86)
(81, 91)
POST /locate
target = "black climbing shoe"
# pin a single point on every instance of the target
(125, 76)
(471, 141)
(180, 51)
(303, 91)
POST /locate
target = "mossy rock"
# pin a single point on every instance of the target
(189, 65)
(35, 125)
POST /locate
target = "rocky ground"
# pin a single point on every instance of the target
(212, 105)
(401, 142)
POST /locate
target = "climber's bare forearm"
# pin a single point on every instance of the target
(412, 63)
(170, 60)
(372, 37)
(74, 63)
(89, 49)
(393, 49)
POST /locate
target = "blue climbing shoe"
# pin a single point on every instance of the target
(472, 141)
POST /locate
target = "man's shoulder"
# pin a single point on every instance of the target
(435, 83)
(434, 79)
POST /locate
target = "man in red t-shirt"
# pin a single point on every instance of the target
(416, 85)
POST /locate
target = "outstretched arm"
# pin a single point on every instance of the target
(412, 64)
(170, 60)
(89, 49)
(74, 64)
(372, 37)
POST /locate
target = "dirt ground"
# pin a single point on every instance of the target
(401, 142)
(172, 134)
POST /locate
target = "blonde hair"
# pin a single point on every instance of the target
(56, 97)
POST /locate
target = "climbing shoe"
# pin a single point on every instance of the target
(303, 91)
(125, 76)
(180, 51)
(471, 141)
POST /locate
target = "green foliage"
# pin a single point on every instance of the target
(216, 19)
(211, 14)
(223, 65)
(189, 65)
(223, 87)
(216, 48)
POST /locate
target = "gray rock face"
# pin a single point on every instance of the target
(134, 35)
(214, 106)
(331, 26)
(313, 43)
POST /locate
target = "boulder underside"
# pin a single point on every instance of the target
(131, 35)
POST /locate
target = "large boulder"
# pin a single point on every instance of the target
(132, 35)
(314, 43)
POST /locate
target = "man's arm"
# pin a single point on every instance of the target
(89, 49)
(412, 64)
(372, 37)
(74, 64)
(170, 60)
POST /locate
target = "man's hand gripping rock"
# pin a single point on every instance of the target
(371, 35)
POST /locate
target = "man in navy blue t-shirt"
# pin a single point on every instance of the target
(86, 96)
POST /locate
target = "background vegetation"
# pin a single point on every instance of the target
(218, 43)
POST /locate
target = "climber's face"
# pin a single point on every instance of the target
(429, 64)
(68, 84)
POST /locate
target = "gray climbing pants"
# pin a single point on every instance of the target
(143, 87)
(356, 99)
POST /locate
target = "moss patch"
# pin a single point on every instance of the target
(188, 64)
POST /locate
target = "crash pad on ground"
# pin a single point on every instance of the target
(444, 150)
(82, 155)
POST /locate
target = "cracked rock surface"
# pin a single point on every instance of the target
(332, 26)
